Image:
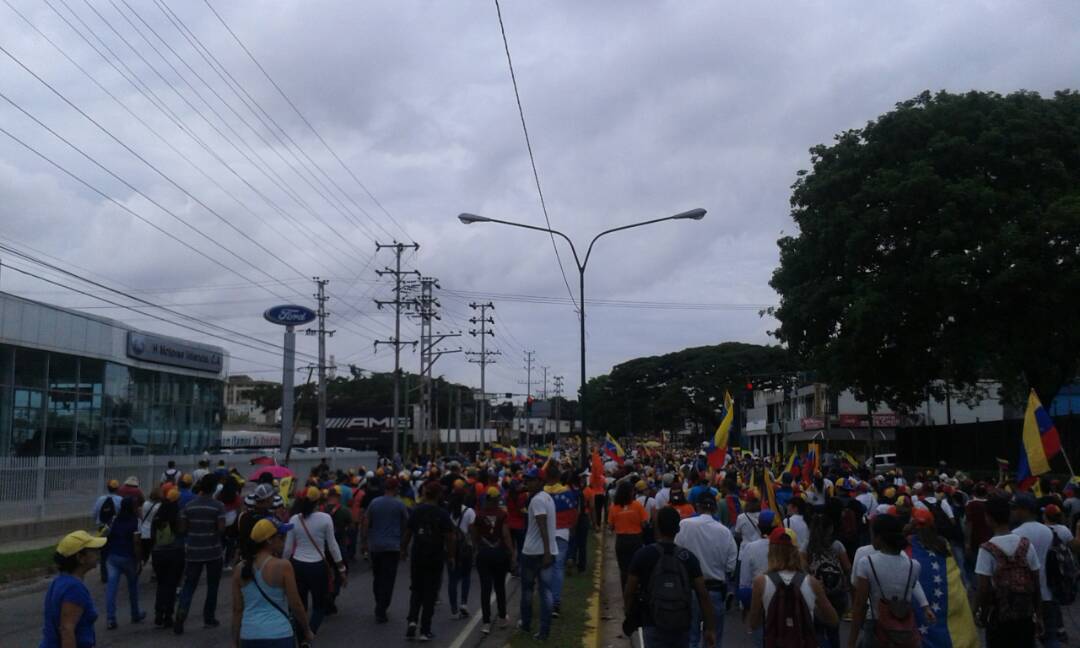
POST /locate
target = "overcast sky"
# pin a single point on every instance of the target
(636, 110)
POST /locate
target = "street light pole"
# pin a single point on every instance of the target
(469, 219)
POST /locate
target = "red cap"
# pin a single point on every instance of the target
(922, 518)
(780, 536)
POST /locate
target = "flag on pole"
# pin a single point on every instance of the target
(793, 462)
(812, 463)
(1039, 443)
(719, 446)
(768, 493)
(613, 450)
(846, 457)
(596, 472)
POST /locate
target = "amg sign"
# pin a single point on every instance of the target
(362, 429)
(366, 422)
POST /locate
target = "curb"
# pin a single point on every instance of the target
(591, 638)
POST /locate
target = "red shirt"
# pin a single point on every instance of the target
(516, 510)
(975, 514)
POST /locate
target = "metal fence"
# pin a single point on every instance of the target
(46, 488)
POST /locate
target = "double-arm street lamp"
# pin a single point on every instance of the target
(469, 219)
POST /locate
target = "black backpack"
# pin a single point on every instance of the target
(462, 541)
(669, 592)
(826, 568)
(1061, 572)
(429, 539)
(107, 511)
(943, 524)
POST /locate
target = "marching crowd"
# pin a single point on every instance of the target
(919, 563)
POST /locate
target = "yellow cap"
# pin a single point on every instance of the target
(492, 491)
(458, 483)
(313, 494)
(641, 485)
(76, 541)
(186, 479)
(173, 494)
(265, 529)
(114, 484)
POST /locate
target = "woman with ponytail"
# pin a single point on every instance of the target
(264, 590)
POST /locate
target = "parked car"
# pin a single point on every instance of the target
(881, 462)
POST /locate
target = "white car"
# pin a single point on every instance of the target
(881, 462)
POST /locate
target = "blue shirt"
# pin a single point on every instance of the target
(65, 588)
(122, 537)
(386, 515)
(261, 620)
(185, 496)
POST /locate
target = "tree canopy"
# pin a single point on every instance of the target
(665, 392)
(940, 241)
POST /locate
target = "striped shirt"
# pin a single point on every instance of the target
(203, 542)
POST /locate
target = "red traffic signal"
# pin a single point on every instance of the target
(749, 386)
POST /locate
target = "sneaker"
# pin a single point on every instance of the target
(846, 616)
(555, 612)
(540, 637)
(211, 623)
(166, 621)
(159, 619)
(410, 632)
(426, 636)
(521, 626)
(485, 629)
(382, 619)
(112, 625)
(504, 622)
(454, 614)
(178, 623)
(139, 619)
(464, 612)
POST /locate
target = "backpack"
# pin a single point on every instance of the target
(788, 622)
(826, 568)
(462, 542)
(428, 539)
(1014, 584)
(895, 626)
(669, 592)
(1061, 572)
(107, 511)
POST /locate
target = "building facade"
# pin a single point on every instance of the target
(240, 402)
(73, 384)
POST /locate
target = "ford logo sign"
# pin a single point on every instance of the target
(290, 315)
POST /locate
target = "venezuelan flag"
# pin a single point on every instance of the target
(768, 494)
(719, 446)
(566, 505)
(846, 457)
(812, 463)
(500, 452)
(794, 463)
(613, 450)
(940, 579)
(1039, 444)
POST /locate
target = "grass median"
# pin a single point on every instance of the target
(19, 565)
(571, 625)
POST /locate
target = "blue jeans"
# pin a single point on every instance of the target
(560, 570)
(697, 619)
(657, 638)
(127, 568)
(533, 573)
(458, 578)
(192, 572)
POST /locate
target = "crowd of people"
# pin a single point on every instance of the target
(924, 562)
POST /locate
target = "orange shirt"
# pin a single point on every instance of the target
(627, 519)
(685, 510)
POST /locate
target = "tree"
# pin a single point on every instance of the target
(664, 392)
(267, 396)
(941, 241)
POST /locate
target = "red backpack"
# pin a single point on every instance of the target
(1014, 584)
(788, 622)
(895, 626)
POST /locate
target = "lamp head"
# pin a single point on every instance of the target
(693, 214)
(469, 219)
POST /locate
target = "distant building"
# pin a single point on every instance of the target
(240, 401)
(73, 384)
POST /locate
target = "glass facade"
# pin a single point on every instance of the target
(63, 405)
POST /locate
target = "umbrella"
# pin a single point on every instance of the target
(277, 472)
(262, 461)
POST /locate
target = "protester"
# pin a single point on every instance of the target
(105, 509)
(786, 600)
(496, 555)
(383, 526)
(264, 590)
(1008, 595)
(312, 530)
(714, 547)
(538, 556)
(431, 535)
(753, 562)
(146, 519)
(796, 520)
(69, 608)
(130, 488)
(459, 571)
(125, 559)
(167, 557)
(940, 579)
(662, 582)
(1026, 524)
(342, 520)
(202, 522)
(627, 518)
(827, 561)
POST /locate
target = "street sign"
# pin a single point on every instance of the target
(289, 315)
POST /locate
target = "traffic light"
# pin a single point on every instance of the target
(528, 406)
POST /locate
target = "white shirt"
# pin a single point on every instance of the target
(662, 497)
(711, 543)
(199, 474)
(867, 500)
(540, 504)
(1041, 538)
(1008, 543)
(649, 503)
(892, 572)
(802, 532)
(746, 527)
(861, 553)
(1062, 532)
(149, 509)
(299, 546)
(754, 560)
(805, 589)
(926, 502)
(468, 516)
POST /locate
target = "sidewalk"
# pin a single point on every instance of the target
(611, 601)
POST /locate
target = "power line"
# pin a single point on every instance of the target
(305, 119)
(532, 158)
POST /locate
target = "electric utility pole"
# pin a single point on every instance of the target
(545, 392)
(321, 298)
(427, 311)
(558, 406)
(399, 305)
(484, 358)
(529, 357)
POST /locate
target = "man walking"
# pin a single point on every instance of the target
(203, 523)
(538, 556)
(105, 509)
(431, 534)
(714, 547)
(382, 530)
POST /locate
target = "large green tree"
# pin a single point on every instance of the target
(667, 391)
(940, 241)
